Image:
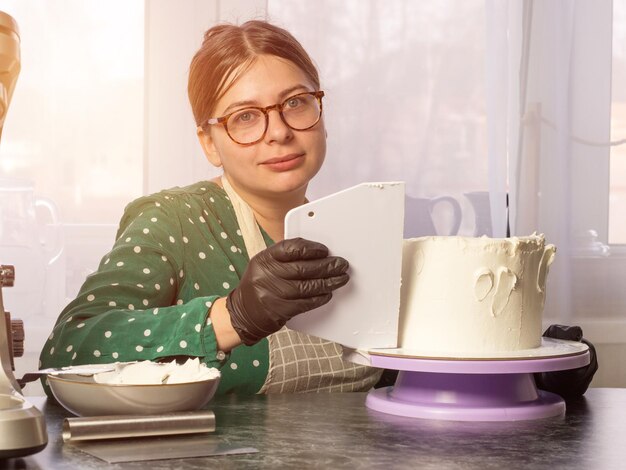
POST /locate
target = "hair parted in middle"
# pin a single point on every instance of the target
(228, 50)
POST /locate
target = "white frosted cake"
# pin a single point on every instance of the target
(473, 296)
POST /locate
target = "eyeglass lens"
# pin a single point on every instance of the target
(299, 112)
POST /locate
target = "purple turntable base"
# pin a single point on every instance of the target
(470, 390)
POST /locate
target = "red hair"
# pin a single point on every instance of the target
(228, 49)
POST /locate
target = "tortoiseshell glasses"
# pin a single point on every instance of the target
(248, 126)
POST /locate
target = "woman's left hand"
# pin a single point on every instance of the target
(280, 282)
(571, 383)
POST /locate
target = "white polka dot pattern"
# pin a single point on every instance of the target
(152, 293)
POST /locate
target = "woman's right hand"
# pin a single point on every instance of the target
(288, 278)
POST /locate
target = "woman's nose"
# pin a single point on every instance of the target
(277, 130)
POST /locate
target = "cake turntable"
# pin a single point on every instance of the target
(473, 389)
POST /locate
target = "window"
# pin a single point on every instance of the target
(75, 133)
(75, 125)
(617, 192)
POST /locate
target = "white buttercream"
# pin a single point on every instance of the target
(462, 294)
(154, 373)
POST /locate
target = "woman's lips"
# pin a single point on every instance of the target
(284, 163)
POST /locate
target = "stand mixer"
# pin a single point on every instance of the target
(22, 426)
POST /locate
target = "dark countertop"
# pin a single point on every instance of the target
(338, 431)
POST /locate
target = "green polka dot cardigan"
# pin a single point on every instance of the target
(175, 253)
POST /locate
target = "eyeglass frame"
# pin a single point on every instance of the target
(278, 107)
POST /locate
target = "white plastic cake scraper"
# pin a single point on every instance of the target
(363, 224)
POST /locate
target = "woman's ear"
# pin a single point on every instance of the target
(208, 146)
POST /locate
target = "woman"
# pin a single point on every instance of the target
(189, 273)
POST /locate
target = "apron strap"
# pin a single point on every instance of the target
(252, 237)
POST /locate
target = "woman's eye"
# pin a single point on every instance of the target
(294, 102)
(245, 117)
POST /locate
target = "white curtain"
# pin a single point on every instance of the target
(561, 70)
(560, 171)
(405, 97)
(72, 151)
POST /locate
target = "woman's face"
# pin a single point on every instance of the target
(285, 160)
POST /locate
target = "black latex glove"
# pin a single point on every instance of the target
(570, 383)
(288, 278)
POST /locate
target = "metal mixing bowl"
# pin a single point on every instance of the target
(82, 396)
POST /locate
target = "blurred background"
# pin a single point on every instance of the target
(470, 102)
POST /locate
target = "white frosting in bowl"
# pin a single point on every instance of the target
(155, 373)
